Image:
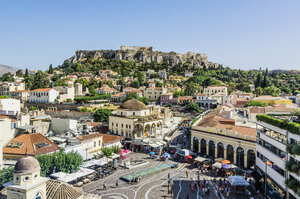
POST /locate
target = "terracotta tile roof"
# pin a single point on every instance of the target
(20, 91)
(128, 88)
(201, 94)
(185, 98)
(90, 136)
(42, 90)
(216, 87)
(56, 189)
(93, 124)
(256, 109)
(105, 87)
(31, 143)
(110, 138)
(134, 91)
(5, 116)
(217, 120)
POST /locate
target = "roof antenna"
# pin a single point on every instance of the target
(26, 154)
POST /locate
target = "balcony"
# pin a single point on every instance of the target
(270, 155)
(280, 145)
(272, 173)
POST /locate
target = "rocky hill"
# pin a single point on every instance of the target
(6, 69)
(145, 55)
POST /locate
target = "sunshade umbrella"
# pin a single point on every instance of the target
(226, 166)
(226, 162)
(151, 153)
(167, 155)
(188, 156)
(269, 163)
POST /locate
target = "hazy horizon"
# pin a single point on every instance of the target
(238, 34)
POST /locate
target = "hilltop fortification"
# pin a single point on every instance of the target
(144, 55)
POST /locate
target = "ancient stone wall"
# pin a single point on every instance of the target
(145, 55)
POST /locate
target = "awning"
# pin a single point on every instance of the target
(200, 159)
(237, 181)
(219, 159)
(153, 145)
(25, 127)
(217, 165)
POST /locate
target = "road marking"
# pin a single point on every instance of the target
(179, 189)
(120, 194)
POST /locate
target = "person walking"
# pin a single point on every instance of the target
(169, 175)
(188, 196)
(117, 183)
(187, 174)
(104, 186)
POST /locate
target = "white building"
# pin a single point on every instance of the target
(188, 73)
(7, 129)
(9, 106)
(43, 95)
(65, 92)
(59, 125)
(163, 74)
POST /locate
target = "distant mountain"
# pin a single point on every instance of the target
(6, 69)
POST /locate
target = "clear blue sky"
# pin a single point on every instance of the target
(239, 34)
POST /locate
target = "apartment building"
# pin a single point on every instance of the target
(278, 157)
(153, 94)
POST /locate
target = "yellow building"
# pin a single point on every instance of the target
(153, 94)
(135, 120)
(175, 78)
(218, 137)
(172, 89)
(212, 90)
(269, 100)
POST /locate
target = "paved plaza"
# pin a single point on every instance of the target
(152, 187)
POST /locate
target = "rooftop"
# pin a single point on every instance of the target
(134, 105)
(42, 90)
(90, 136)
(34, 144)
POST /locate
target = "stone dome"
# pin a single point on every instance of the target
(27, 165)
(134, 105)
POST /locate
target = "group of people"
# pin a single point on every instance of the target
(136, 179)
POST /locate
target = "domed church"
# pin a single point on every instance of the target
(135, 120)
(28, 184)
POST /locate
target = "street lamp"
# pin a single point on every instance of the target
(266, 179)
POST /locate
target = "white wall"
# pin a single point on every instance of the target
(59, 125)
(9, 106)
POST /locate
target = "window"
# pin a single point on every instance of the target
(130, 126)
(116, 124)
(99, 143)
(133, 113)
(122, 125)
(94, 144)
(126, 126)
(112, 124)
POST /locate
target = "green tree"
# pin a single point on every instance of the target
(255, 103)
(61, 82)
(176, 94)
(50, 71)
(135, 84)
(272, 90)
(40, 80)
(243, 87)
(26, 73)
(6, 175)
(193, 107)
(102, 115)
(259, 91)
(192, 89)
(7, 77)
(19, 73)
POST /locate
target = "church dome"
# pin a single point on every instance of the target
(27, 165)
(134, 105)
